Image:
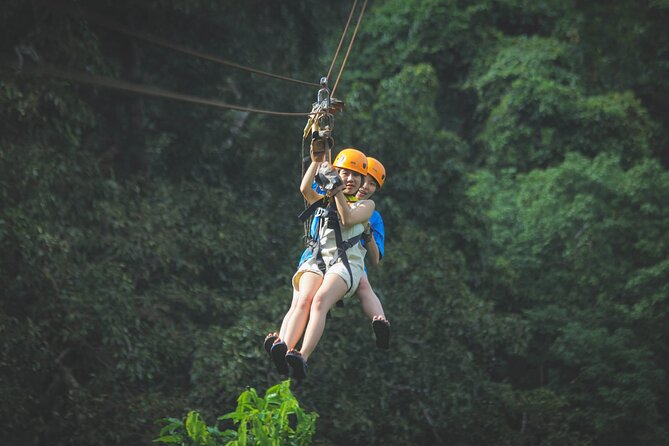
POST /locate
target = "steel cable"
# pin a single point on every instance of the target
(43, 69)
(343, 34)
(350, 45)
(183, 49)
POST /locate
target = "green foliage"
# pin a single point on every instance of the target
(566, 244)
(147, 244)
(276, 419)
(427, 163)
(619, 375)
(535, 111)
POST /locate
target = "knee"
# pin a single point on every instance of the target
(304, 303)
(319, 305)
(363, 285)
(364, 291)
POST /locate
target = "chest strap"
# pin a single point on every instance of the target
(305, 214)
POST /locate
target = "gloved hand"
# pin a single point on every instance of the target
(328, 178)
(367, 233)
(317, 150)
(321, 142)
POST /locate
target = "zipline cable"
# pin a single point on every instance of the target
(343, 34)
(42, 69)
(350, 45)
(93, 18)
(314, 114)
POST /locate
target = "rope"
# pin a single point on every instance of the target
(183, 49)
(343, 34)
(91, 79)
(334, 59)
(304, 200)
(355, 31)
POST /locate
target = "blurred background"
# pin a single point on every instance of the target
(147, 244)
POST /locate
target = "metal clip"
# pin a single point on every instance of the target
(324, 118)
(321, 117)
(323, 97)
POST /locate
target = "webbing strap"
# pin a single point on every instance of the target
(330, 218)
(314, 248)
(342, 246)
(311, 209)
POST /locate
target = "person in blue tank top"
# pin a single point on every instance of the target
(374, 242)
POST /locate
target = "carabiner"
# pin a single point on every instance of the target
(326, 121)
(323, 97)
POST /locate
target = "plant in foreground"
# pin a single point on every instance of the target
(274, 420)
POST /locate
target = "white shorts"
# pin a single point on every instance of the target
(338, 268)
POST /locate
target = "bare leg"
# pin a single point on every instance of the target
(294, 327)
(286, 318)
(282, 331)
(332, 290)
(371, 305)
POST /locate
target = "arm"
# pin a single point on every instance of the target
(373, 253)
(350, 217)
(308, 192)
(378, 236)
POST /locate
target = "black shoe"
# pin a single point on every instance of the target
(278, 354)
(382, 332)
(269, 341)
(297, 364)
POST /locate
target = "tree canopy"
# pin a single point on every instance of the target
(148, 243)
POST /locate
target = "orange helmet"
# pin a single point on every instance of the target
(376, 170)
(352, 159)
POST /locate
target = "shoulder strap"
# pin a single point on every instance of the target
(310, 210)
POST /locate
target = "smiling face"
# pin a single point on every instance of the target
(352, 181)
(367, 189)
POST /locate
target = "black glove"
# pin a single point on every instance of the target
(327, 177)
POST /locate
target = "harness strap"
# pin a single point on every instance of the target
(342, 247)
(328, 217)
(345, 245)
(314, 248)
(305, 214)
(311, 209)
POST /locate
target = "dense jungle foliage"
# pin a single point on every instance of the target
(147, 244)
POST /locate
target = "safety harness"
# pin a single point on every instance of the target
(319, 129)
(325, 210)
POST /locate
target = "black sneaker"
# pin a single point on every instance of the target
(382, 332)
(278, 354)
(297, 364)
